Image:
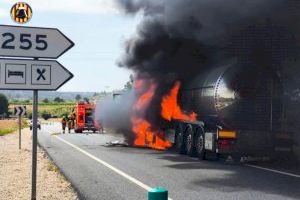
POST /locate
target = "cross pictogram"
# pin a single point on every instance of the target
(41, 74)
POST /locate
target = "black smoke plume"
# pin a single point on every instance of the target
(180, 37)
(177, 39)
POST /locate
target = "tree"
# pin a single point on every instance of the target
(3, 104)
(78, 97)
(58, 100)
(46, 100)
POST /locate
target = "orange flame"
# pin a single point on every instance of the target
(145, 136)
(171, 109)
(144, 100)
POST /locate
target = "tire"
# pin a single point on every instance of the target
(189, 140)
(179, 139)
(200, 143)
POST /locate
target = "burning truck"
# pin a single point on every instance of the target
(239, 112)
(228, 109)
(212, 78)
(235, 110)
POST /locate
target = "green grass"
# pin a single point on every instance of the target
(12, 128)
(5, 131)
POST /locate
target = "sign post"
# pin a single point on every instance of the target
(20, 128)
(34, 143)
(32, 74)
(20, 111)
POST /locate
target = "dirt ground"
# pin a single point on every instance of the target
(8, 123)
(15, 172)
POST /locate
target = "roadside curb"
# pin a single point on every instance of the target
(75, 189)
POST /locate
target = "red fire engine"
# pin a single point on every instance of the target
(84, 118)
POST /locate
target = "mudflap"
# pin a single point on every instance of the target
(210, 145)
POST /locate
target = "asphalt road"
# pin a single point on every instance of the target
(115, 173)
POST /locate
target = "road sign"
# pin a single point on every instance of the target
(20, 111)
(16, 74)
(32, 74)
(33, 42)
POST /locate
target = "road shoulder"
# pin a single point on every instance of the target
(15, 172)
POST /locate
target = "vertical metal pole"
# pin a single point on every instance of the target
(20, 127)
(271, 107)
(34, 143)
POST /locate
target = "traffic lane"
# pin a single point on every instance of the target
(188, 178)
(91, 180)
(292, 166)
(154, 174)
(283, 166)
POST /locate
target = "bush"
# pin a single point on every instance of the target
(58, 100)
(46, 116)
(46, 100)
(3, 105)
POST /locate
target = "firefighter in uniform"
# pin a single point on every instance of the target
(73, 118)
(70, 123)
(64, 123)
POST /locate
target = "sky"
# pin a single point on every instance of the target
(98, 29)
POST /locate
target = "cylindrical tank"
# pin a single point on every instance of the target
(236, 96)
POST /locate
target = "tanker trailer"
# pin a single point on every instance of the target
(239, 111)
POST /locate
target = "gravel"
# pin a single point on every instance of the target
(15, 172)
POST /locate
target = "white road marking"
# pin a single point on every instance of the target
(273, 170)
(130, 178)
(146, 187)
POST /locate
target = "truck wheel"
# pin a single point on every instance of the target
(179, 139)
(199, 144)
(189, 141)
